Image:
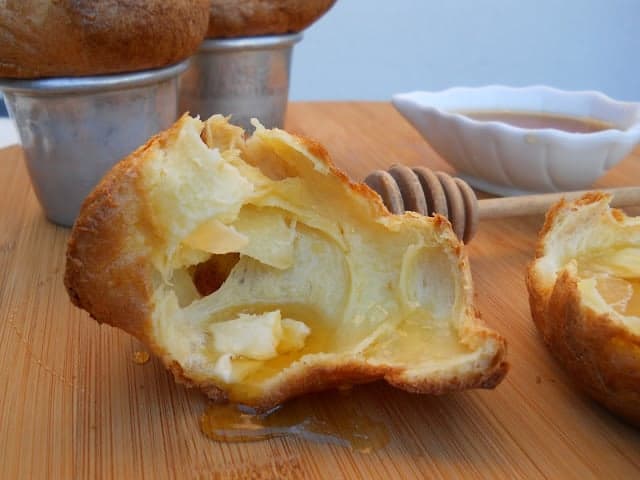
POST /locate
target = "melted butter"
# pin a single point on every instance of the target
(414, 340)
(320, 339)
(345, 425)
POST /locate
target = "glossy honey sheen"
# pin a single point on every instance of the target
(540, 120)
(345, 425)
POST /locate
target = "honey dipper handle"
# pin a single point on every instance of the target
(540, 203)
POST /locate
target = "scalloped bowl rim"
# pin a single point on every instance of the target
(450, 104)
(425, 100)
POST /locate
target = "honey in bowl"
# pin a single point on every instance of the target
(539, 120)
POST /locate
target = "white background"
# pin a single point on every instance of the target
(370, 49)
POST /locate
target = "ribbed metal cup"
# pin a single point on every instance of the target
(74, 129)
(242, 77)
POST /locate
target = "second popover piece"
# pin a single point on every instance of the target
(584, 291)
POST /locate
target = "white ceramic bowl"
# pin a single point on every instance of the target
(506, 160)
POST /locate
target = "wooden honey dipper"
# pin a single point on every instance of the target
(421, 190)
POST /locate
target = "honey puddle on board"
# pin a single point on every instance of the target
(307, 418)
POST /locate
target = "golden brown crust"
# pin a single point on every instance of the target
(45, 38)
(324, 377)
(600, 355)
(553, 213)
(230, 18)
(98, 248)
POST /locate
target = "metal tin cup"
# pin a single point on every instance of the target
(242, 77)
(74, 129)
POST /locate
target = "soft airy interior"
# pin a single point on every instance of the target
(601, 247)
(264, 261)
(610, 281)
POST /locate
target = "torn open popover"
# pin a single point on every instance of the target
(584, 292)
(257, 271)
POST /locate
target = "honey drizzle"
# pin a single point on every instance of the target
(303, 418)
(141, 357)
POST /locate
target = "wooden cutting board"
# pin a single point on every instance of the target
(74, 404)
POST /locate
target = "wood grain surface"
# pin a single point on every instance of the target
(74, 404)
